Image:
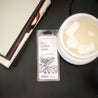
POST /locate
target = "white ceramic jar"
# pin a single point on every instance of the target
(65, 53)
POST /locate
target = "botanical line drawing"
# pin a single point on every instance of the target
(46, 66)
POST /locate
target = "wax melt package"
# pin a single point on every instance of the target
(47, 56)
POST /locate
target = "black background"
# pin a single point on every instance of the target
(20, 81)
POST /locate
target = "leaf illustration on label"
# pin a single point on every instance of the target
(46, 61)
(52, 69)
(49, 60)
(46, 66)
(42, 60)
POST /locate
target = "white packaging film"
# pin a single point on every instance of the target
(47, 56)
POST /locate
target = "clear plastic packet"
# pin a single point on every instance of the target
(47, 56)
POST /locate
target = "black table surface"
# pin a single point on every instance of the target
(20, 80)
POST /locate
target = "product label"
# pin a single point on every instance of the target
(48, 65)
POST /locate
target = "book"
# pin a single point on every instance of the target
(17, 20)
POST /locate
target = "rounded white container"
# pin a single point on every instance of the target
(65, 53)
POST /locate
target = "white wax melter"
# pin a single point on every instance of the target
(81, 37)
